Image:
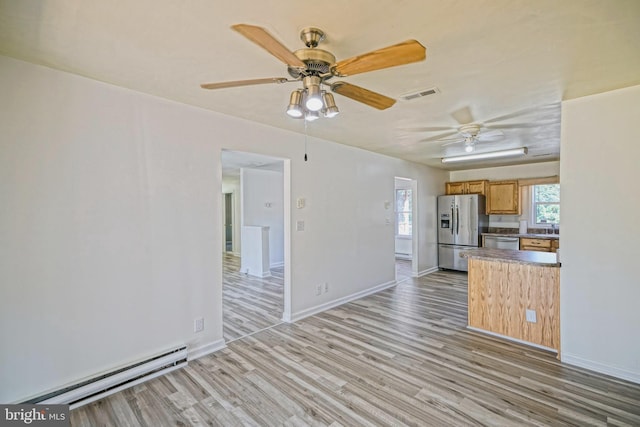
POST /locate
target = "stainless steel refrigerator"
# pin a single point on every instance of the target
(461, 220)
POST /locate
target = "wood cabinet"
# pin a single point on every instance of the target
(555, 245)
(466, 187)
(540, 245)
(501, 293)
(503, 198)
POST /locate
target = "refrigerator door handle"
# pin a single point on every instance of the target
(457, 219)
(452, 220)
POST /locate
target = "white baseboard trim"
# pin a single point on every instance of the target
(580, 362)
(205, 349)
(427, 271)
(277, 264)
(542, 347)
(294, 317)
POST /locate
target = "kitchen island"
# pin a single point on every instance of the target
(516, 295)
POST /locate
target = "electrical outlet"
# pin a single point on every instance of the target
(300, 225)
(326, 287)
(531, 316)
(318, 290)
(198, 325)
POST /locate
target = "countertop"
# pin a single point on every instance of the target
(531, 236)
(543, 259)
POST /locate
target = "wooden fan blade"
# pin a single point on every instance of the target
(391, 56)
(363, 95)
(262, 38)
(236, 83)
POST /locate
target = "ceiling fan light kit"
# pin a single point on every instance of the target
(331, 109)
(295, 104)
(314, 67)
(488, 155)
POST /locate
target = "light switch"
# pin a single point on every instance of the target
(299, 225)
(300, 202)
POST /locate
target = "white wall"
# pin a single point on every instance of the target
(263, 205)
(111, 230)
(600, 285)
(529, 170)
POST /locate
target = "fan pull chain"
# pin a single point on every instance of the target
(305, 140)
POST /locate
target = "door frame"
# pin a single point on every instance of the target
(414, 223)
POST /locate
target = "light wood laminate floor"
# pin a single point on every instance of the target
(403, 269)
(249, 304)
(400, 357)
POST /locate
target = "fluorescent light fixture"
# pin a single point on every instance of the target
(490, 155)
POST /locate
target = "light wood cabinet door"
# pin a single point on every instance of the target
(555, 245)
(455, 187)
(503, 198)
(466, 187)
(477, 187)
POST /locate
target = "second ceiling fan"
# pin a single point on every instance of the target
(470, 134)
(315, 67)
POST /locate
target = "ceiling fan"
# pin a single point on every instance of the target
(470, 135)
(471, 132)
(315, 67)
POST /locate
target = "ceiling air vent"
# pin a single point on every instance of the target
(420, 94)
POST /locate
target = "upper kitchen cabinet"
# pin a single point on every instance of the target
(503, 198)
(467, 187)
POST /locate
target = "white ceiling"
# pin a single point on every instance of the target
(488, 59)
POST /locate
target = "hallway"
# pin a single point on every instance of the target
(250, 304)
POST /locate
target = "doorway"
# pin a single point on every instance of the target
(406, 228)
(255, 192)
(228, 222)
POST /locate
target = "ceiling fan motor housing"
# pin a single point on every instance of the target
(318, 62)
(469, 130)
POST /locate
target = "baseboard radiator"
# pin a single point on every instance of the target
(103, 385)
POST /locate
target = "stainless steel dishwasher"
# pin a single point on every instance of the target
(502, 242)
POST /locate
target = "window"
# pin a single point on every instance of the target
(546, 204)
(404, 207)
